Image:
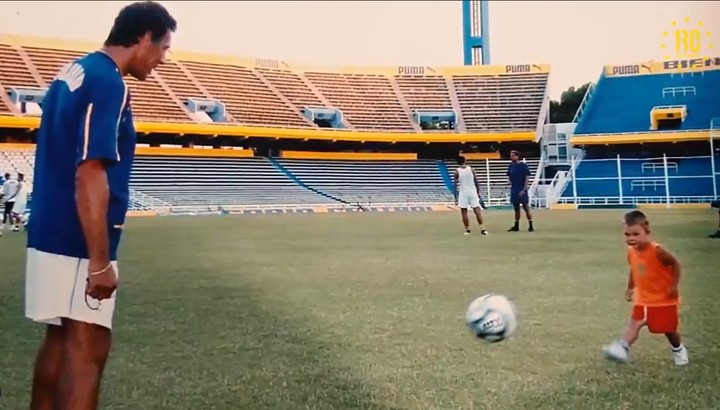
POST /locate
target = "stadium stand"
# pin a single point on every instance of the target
(249, 100)
(425, 92)
(372, 182)
(647, 102)
(13, 71)
(368, 101)
(501, 102)
(621, 104)
(379, 103)
(208, 181)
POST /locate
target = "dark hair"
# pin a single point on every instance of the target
(633, 218)
(516, 152)
(136, 20)
(461, 160)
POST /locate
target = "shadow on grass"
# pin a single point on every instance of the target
(220, 347)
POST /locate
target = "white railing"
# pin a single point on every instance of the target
(660, 180)
(544, 114)
(634, 200)
(584, 102)
(535, 199)
(556, 187)
(641, 132)
(146, 202)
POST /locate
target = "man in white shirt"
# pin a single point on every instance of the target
(9, 192)
(467, 193)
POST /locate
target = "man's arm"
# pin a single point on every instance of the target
(97, 148)
(92, 196)
(669, 260)
(456, 176)
(527, 178)
(477, 182)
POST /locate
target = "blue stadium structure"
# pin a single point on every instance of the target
(655, 126)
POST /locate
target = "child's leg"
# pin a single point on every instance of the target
(664, 320)
(632, 332)
(619, 350)
(674, 339)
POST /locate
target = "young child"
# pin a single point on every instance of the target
(653, 284)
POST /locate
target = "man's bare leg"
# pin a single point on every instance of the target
(479, 217)
(465, 219)
(528, 215)
(86, 351)
(48, 367)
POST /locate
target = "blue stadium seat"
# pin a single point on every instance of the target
(623, 104)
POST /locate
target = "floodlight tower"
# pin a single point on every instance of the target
(476, 32)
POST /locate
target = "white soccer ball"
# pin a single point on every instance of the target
(492, 317)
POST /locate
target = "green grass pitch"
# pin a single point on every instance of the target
(366, 311)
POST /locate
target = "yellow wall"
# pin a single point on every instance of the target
(158, 151)
(194, 152)
(233, 130)
(481, 155)
(640, 138)
(378, 156)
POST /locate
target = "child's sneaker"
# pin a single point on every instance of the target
(617, 352)
(680, 356)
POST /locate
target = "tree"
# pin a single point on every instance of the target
(565, 109)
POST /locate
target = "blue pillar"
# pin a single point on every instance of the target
(476, 32)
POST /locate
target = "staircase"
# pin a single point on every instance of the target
(31, 67)
(299, 182)
(282, 97)
(323, 99)
(585, 101)
(559, 183)
(201, 87)
(172, 95)
(404, 104)
(459, 122)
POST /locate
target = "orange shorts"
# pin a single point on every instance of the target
(659, 319)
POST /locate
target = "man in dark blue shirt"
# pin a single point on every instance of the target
(85, 151)
(519, 177)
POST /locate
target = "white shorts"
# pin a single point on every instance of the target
(468, 199)
(55, 289)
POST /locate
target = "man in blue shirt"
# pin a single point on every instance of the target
(85, 151)
(519, 177)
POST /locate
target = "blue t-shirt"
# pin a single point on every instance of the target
(517, 172)
(86, 115)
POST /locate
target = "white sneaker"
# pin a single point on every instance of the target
(681, 356)
(467, 232)
(616, 352)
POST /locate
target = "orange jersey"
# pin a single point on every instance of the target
(652, 279)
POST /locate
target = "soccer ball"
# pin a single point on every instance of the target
(492, 317)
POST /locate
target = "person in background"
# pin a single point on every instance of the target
(716, 204)
(518, 174)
